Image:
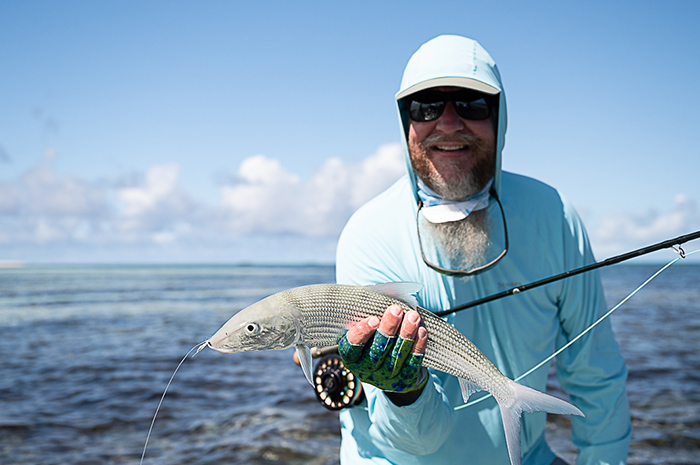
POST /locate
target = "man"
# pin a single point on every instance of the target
(465, 230)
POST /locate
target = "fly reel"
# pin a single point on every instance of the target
(335, 386)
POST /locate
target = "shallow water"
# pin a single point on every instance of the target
(658, 331)
(87, 351)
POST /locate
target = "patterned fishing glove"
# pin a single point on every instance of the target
(385, 362)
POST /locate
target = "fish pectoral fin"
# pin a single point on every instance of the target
(304, 354)
(468, 388)
(405, 292)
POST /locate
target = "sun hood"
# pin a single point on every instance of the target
(451, 60)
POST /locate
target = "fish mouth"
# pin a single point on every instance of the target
(218, 347)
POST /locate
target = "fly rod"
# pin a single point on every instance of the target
(610, 261)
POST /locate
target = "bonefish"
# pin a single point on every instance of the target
(317, 315)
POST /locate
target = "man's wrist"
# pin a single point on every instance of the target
(402, 399)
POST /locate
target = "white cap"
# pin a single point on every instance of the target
(457, 81)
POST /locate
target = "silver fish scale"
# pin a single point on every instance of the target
(329, 309)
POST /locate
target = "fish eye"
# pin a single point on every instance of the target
(252, 329)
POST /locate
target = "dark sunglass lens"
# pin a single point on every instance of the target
(475, 110)
(425, 111)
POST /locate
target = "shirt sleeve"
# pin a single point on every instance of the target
(416, 429)
(592, 370)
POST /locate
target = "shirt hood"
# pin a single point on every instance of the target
(450, 60)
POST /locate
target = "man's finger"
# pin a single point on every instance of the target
(391, 320)
(361, 332)
(410, 325)
(421, 341)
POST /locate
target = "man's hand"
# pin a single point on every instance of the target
(371, 350)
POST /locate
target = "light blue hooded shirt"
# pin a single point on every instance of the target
(380, 244)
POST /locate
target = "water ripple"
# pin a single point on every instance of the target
(87, 352)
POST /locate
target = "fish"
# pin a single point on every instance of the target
(317, 315)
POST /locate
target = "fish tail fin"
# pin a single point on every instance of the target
(528, 400)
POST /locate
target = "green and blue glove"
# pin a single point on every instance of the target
(385, 362)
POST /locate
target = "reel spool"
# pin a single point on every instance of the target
(335, 386)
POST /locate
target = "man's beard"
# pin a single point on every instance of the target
(463, 243)
(468, 181)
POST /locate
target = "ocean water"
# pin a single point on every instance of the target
(86, 352)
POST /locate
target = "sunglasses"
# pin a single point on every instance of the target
(429, 105)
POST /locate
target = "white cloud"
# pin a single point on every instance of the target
(41, 192)
(41, 206)
(259, 201)
(377, 172)
(48, 216)
(159, 184)
(155, 207)
(268, 199)
(623, 232)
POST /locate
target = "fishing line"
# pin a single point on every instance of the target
(682, 254)
(199, 348)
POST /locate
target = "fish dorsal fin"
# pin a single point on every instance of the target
(468, 388)
(304, 354)
(405, 292)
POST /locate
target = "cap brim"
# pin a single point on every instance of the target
(467, 83)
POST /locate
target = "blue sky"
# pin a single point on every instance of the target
(249, 131)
